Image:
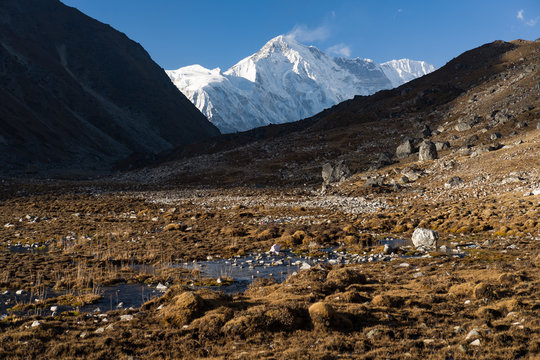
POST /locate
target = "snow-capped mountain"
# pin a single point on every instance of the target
(286, 81)
(405, 70)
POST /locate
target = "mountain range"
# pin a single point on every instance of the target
(286, 81)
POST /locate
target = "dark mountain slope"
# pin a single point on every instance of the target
(75, 93)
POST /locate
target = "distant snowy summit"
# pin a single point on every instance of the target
(286, 81)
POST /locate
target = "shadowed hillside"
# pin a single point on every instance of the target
(75, 93)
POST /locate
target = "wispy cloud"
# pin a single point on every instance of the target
(302, 33)
(530, 22)
(340, 50)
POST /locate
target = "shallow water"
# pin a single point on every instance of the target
(120, 296)
(241, 269)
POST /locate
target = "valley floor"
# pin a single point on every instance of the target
(476, 297)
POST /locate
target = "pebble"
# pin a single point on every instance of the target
(472, 334)
(19, 292)
(54, 308)
(475, 342)
(127, 317)
(372, 333)
(99, 330)
(35, 323)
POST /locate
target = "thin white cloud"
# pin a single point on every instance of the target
(530, 22)
(302, 33)
(340, 50)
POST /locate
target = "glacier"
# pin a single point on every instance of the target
(286, 81)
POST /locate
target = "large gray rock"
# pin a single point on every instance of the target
(336, 172)
(427, 151)
(405, 149)
(425, 238)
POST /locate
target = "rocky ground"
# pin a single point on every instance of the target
(467, 169)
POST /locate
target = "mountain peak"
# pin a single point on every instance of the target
(285, 81)
(280, 44)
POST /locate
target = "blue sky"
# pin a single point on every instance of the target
(218, 33)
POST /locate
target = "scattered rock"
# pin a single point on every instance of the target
(373, 333)
(424, 132)
(337, 172)
(495, 147)
(99, 330)
(403, 179)
(35, 324)
(475, 342)
(405, 149)
(275, 249)
(454, 181)
(127, 317)
(392, 245)
(427, 151)
(442, 145)
(384, 159)
(161, 287)
(373, 182)
(473, 334)
(462, 126)
(411, 174)
(425, 238)
(471, 141)
(500, 118)
(495, 136)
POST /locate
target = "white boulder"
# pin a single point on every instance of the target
(425, 238)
